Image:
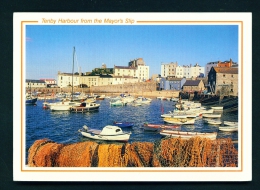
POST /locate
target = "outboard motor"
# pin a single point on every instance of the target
(85, 127)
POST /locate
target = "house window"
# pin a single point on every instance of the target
(224, 75)
(223, 82)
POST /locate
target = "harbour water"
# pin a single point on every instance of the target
(63, 126)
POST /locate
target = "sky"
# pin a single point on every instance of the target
(49, 48)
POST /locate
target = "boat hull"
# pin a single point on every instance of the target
(86, 108)
(120, 138)
(31, 101)
(180, 121)
(217, 107)
(158, 127)
(228, 129)
(188, 135)
(230, 123)
(123, 124)
(214, 122)
(62, 106)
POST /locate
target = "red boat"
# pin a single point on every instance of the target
(158, 127)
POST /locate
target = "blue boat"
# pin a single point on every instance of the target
(123, 124)
(30, 100)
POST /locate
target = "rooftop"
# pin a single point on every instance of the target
(229, 70)
(191, 83)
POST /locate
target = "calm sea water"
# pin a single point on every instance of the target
(63, 126)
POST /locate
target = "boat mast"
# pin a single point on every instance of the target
(73, 72)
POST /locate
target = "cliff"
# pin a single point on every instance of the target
(169, 152)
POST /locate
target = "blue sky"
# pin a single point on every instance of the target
(49, 48)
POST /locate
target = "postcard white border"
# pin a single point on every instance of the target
(242, 173)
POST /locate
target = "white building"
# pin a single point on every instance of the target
(196, 71)
(65, 79)
(125, 71)
(142, 72)
(187, 71)
(49, 81)
(35, 83)
(136, 69)
(179, 72)
(90, 80)
(168, 69)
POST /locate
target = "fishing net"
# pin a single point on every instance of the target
(168, 152)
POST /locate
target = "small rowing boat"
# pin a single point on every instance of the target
(231, 123)
(179, 121)
(213, 122)
(158, 127)
(187, 135)
(228, 128)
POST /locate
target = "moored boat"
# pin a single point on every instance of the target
(180, 115)
(228, 128)
(85, 107)
(231, 123)
(117, 103)
(179, 121)
(62, 106)
(30, 100)
(158, 127)
(214, 122)
(101, 97)
(187, 135)
(108, 133)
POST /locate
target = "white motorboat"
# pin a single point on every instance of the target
(188, 135)
(228, 128)
(108, 133)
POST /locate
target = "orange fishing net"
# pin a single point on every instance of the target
(168, 152)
